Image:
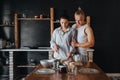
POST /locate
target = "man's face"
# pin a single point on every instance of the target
(79, 19)
(64, 23)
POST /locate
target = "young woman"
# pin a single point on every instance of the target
(61, 40)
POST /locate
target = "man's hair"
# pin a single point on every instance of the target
(79, 11)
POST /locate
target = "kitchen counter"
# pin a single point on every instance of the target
(28, 49)
(11, 58)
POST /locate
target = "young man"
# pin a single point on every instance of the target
(85, 36)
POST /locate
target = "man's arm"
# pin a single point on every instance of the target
(90, 36)
(90, 42)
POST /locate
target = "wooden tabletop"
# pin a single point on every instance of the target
(65, 76)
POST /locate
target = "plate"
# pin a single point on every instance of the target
(45, 71)
(89, 71)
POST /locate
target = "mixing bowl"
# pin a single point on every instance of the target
(47, 62)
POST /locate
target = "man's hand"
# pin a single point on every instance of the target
(74, 43)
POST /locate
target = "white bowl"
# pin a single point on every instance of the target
(47, 62)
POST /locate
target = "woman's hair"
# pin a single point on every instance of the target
(79, 12)
(64, 16)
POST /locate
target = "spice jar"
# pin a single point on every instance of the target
(62, 69)
(41, 16)
(56, 64)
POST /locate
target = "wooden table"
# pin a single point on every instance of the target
(65, 76)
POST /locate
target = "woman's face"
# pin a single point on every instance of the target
(79, 19)
(64, 23)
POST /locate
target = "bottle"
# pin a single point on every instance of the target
(7, 61)
(77, 57)
(90, 55)
(75, 71)
(56, 64)
(41, 16)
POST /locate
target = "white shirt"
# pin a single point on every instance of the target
(63, 40)
(81, 37)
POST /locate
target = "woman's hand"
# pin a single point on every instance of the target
(56, 48)
(69, 54)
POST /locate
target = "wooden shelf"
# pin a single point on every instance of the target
(5, 65)
(71, 21)
(4, 25)
(4, 75)
(20, 66)
(17, 19)
(59, 21)
(33, 19)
